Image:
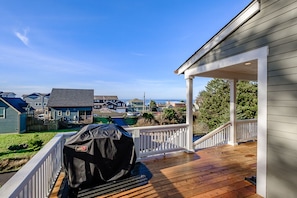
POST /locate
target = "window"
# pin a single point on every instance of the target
(59, 113)
(2, 112)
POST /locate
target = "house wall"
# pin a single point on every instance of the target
(74, 113)
(10, 123)
(274, 26)
(37, 101)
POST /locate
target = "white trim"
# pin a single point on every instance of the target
(233, 139)
(246, 14)
(262, 126)
(233, 60)
(189, 114)
(3, 113)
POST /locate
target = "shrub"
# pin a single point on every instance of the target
(36, 144)
(16, 147)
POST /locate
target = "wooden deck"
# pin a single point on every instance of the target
(214, 172)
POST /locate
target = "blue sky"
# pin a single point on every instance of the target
(116, 47)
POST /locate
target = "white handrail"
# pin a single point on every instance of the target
(37, 177)
(217, 137)
(153, 140)
(246, 130)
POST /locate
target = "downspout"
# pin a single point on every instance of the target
(189, 114)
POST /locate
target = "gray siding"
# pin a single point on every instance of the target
(274, 26)
(10, 123)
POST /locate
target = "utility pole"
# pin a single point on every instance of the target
(143, 108)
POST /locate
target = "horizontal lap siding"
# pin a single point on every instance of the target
(282, 107)
(10, 123)
(265, 28)
(274, 26)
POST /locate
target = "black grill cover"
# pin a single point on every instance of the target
(97, 154)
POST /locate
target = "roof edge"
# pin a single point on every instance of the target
(238, 20)
(11, 106)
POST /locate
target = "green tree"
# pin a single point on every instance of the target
(170, 114)
(149, 117)
(153, 106)
(214, 102)
(247, 99)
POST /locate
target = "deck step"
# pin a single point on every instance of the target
(114, 186)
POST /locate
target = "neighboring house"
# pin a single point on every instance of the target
(38, 101)
(259, 44)
(72, 105)
(110, 102)
(177, 104)
(136, 105)
(13, 115)
(7, 94)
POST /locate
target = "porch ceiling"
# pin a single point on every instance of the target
(242, 71)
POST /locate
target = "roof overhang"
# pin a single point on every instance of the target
(242, 17)
(11, 106)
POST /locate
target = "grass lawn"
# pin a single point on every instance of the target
(17, 149)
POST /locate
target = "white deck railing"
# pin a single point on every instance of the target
(152, 140)
(246, 130)
(36, 179)
(217, 137)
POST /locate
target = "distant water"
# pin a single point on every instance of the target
(158, 101)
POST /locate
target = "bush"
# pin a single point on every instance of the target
(36, 144)
(16, 147)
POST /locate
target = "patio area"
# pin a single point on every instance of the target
(213, 172)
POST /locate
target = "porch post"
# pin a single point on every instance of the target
(189, 114)
(232, 139)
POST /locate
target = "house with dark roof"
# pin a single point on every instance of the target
(109, 102)
(7, 94)
(71, 105)
(13, 115)
(259, 44)
(38, 101)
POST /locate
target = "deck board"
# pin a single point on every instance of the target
(213, 172)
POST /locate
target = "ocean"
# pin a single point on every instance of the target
(158, 101)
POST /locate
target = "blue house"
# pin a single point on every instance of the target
(71, 105)
(13, 115)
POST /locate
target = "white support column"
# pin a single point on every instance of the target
(232, 140)
(262, 125)
(189, 114)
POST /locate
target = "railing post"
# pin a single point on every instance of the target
(136, 139)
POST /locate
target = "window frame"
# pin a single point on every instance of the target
(2, 116)
(67, 113)
(59, 113)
